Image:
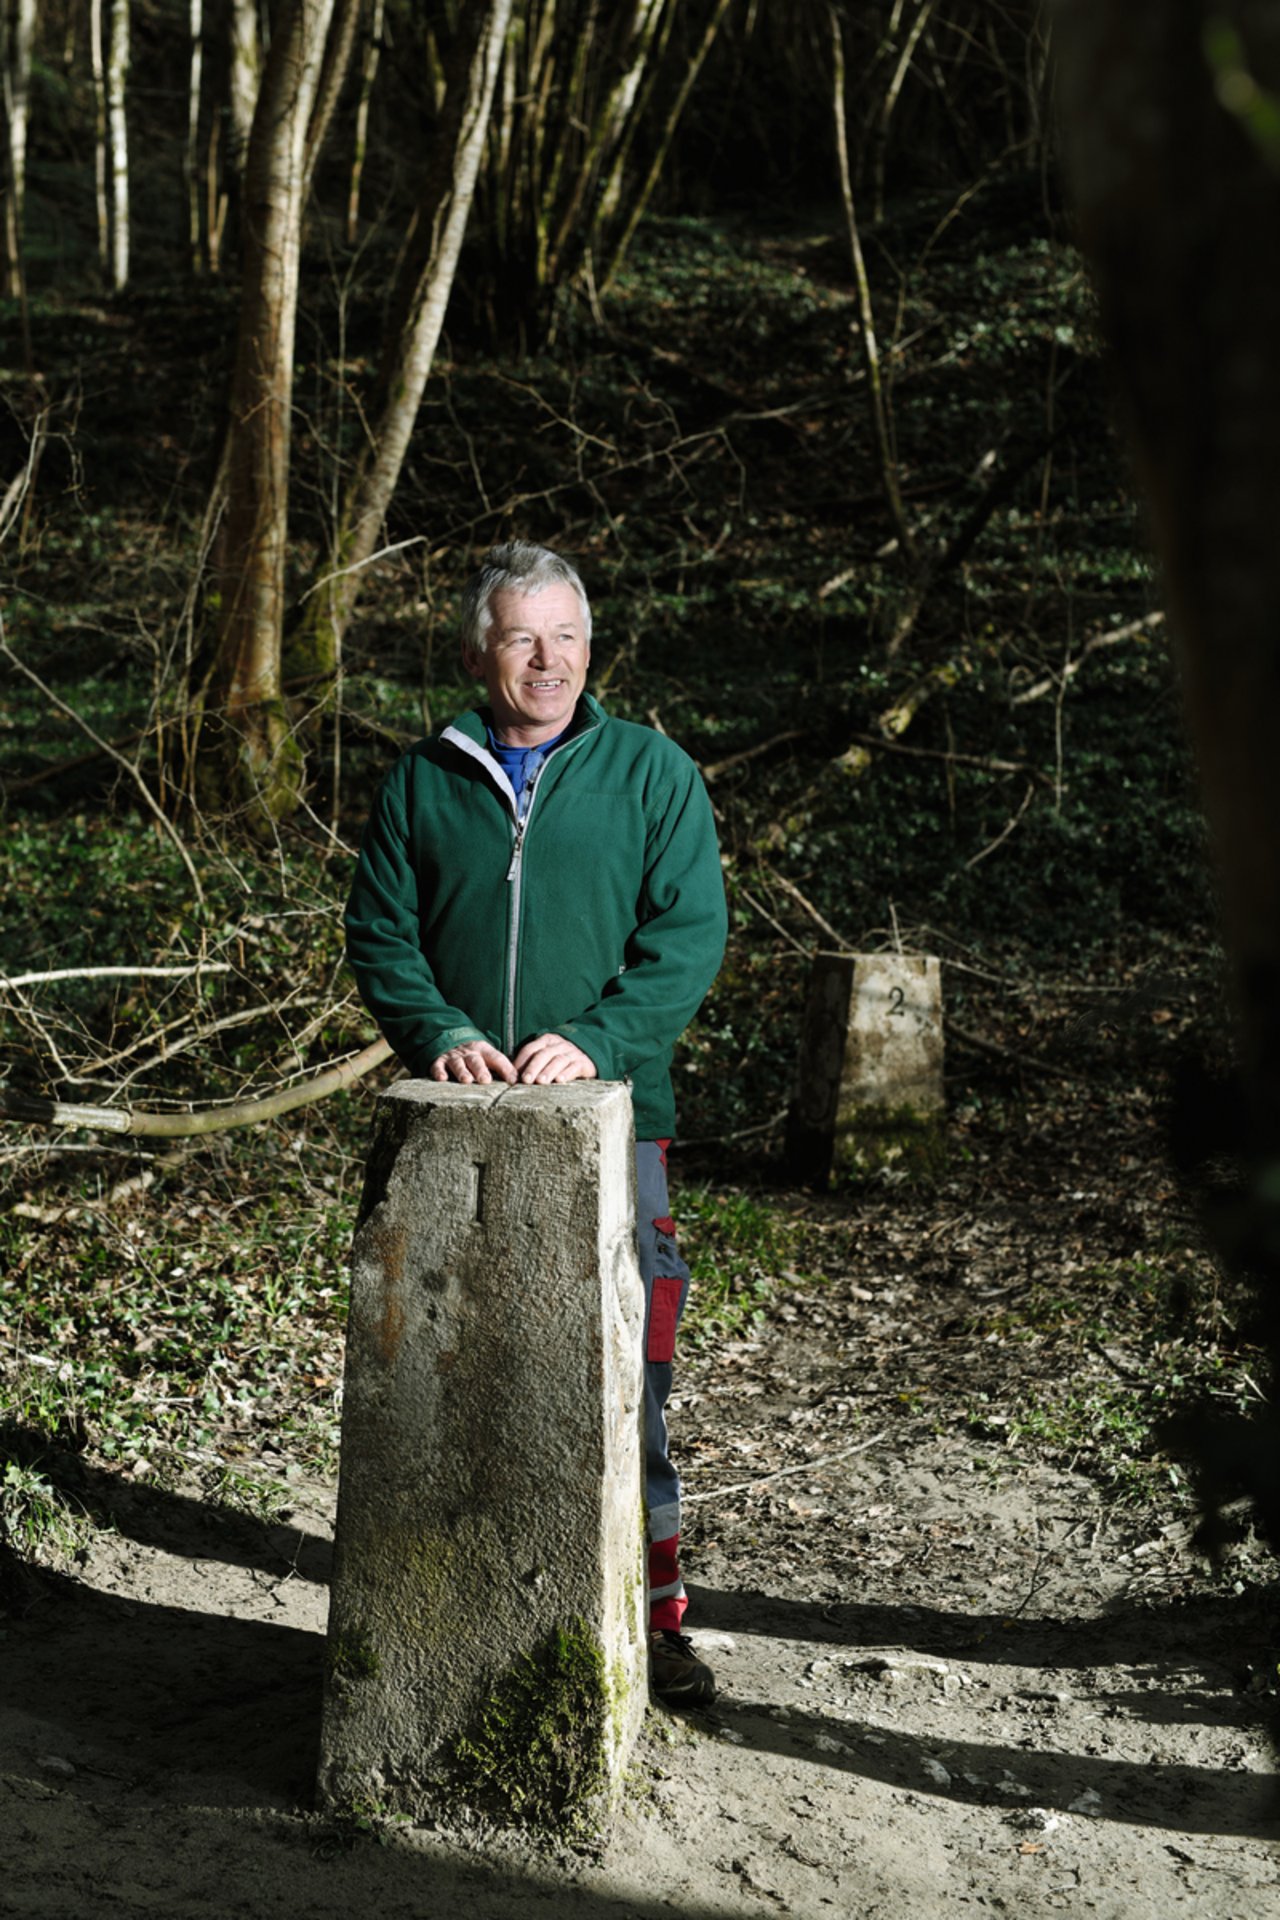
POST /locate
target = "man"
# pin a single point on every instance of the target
(539, 899)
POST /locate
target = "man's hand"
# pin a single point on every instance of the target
(478, 1061)
(551, 1060)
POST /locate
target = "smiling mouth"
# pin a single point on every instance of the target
(543, 686)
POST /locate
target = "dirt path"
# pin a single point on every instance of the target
(951, 1684)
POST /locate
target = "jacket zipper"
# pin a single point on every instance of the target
(520, 825)
(515, 873)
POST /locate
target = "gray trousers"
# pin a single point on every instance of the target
(666, 1285)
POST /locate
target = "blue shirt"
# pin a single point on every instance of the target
(520, 764)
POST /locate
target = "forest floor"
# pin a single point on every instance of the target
(965, 1665)
(939, 1553)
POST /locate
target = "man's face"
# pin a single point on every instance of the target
(534, 665)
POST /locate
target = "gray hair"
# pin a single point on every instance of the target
(517, 566)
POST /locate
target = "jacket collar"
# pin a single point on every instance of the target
(472, 724)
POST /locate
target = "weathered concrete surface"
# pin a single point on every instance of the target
(870, 1057)
(489, 1501)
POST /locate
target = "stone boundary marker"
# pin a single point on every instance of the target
(486, 1645)
(869, 1080)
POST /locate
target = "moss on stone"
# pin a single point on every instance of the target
(899, 1141)
(619, 1698)
(353, 1656)
(537, 1753)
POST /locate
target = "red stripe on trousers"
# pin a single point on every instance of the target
(664, 1571)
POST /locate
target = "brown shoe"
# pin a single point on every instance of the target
(675, 1672)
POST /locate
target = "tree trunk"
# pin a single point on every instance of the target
(368, 73)
(245, 75)
(313, 652)
(679, 100)
(17, 36)
(1169, 113)
(191, 152)
(117, 77)
(245, 725)
(890, 101)
(337, 58)
(99, 133)
(582, 82)
(866, 312)
(607, 131)
(609, 209)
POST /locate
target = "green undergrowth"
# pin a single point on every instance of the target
(213, 987)
(1119, 1356)
(742, 1252)
(39, 1520)
(192, 1340)
(710, 462)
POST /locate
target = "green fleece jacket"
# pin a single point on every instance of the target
(601, 917)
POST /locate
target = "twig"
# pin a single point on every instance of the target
(805, 1466)
(994, 1048)
(777, 925)
(879, 745)
(602, 679)
(789, 886)
(170, 1049)
(1003, 835)
(19, 488)
(358, 566)
(1121, 1369)
(55, 1149)
(1108, 638)
(740, 1133)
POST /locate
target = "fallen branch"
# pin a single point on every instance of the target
(114, 973)
(29, 780)
(717, 767)
(856, 758)
(739, 1133)
(946, 559)
(180, 1126)
(998, 1052)
(953, 759)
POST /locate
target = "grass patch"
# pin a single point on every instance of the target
(1127, 1349)
(740, 1252)
(201, 1340)
(38, 1521)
